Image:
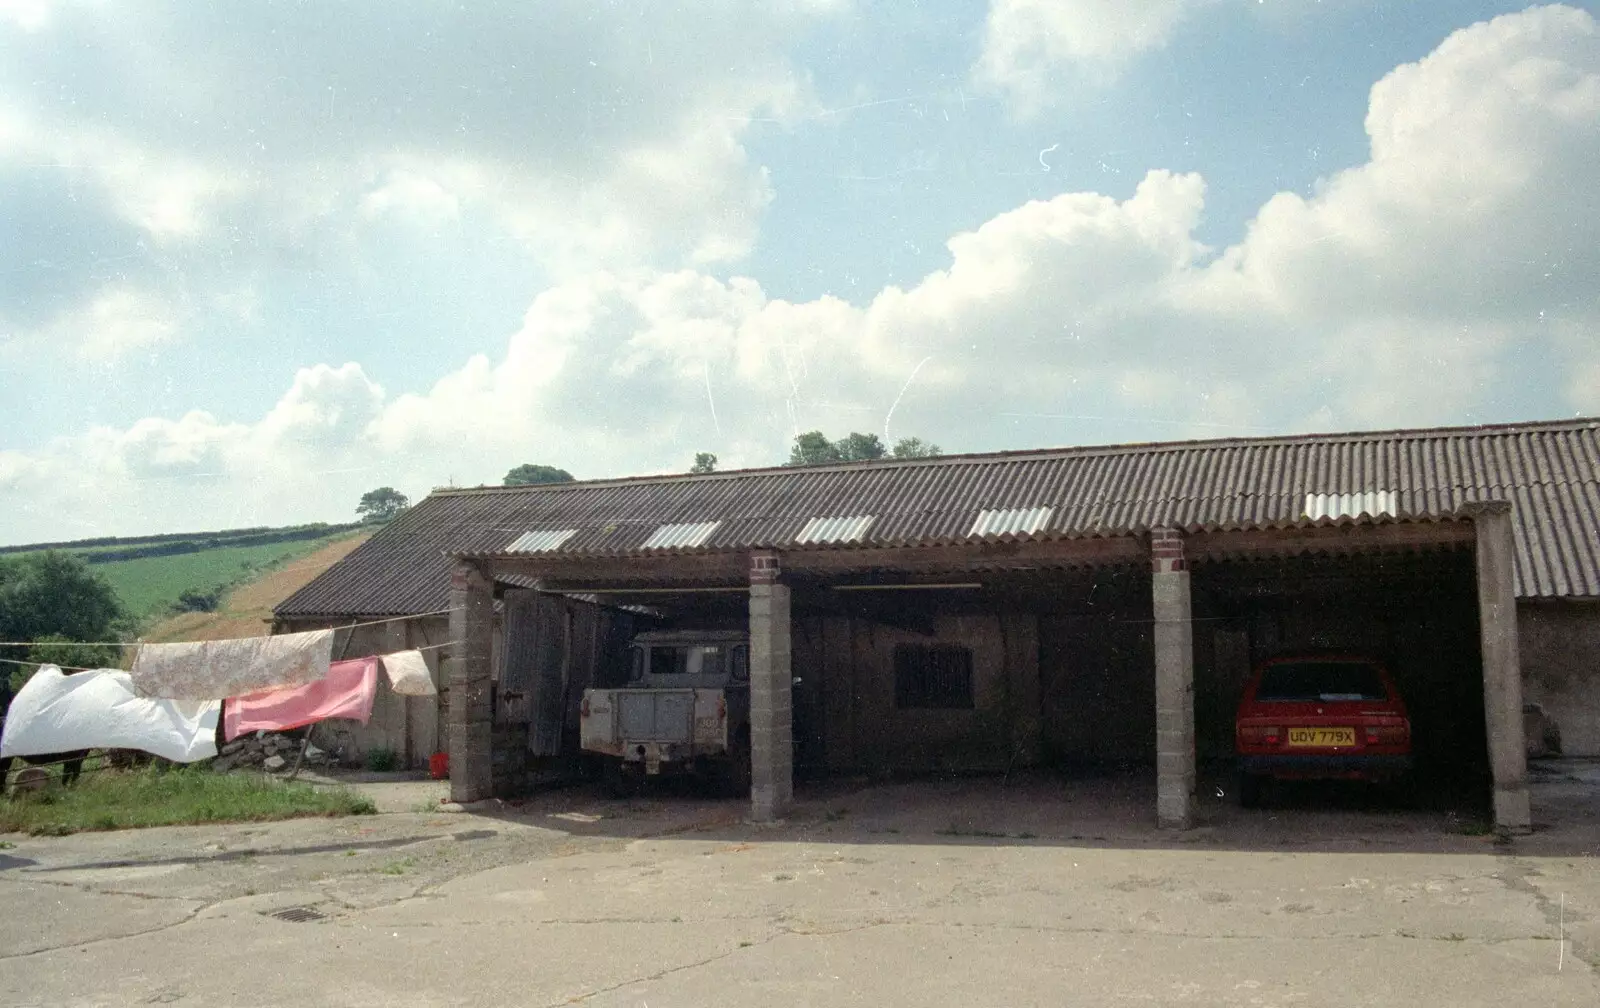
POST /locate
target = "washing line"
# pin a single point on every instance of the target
(140, 643)
(80, 668)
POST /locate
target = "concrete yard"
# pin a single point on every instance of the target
(1032, 891)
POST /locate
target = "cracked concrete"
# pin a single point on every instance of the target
(1021, 893)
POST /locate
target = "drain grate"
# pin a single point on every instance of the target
(298, 915)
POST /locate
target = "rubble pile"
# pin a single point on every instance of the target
(271, 751)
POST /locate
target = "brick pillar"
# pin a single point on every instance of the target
(1174, 647)
(1502, 672)
(771, 689)
(469, 724)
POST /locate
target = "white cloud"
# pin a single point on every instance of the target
(412, 194)
(619, 141)
(116, 321)
(1034, 48)
(1428, 285)
(29, 15)
(184, 140)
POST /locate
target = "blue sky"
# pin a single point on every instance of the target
(251, 266)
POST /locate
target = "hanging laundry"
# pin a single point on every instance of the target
(346, 692)
(100, 709)
(408, 673)
(214, 670)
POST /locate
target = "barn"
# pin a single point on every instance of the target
(985, 612)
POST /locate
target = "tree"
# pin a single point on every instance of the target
(704, 462)
(813, 448)
(382, 504)
(860, 448)
(529, 474)
(911, 447)
(57, 649)
(56, 598)
(195, 600)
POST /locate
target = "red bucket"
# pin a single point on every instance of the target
(439, 766)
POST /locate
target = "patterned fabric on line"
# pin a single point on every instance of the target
(215, 670)
(346, 692)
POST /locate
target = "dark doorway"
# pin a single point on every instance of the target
(1415, 612)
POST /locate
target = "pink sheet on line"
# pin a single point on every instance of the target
(347, 692)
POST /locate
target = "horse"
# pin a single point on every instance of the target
(71, 762)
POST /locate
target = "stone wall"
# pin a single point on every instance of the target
(847, 719)
(1560, 643)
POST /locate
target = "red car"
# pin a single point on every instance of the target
(1315, 717)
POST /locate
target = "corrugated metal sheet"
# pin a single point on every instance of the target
(835, 530)
(1373, 504)
(1011, 521)
(1549, 471)
(541, 542)
(683, 536)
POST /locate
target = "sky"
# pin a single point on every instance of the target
(258, 259)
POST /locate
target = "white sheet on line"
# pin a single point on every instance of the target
(100, 710)
(408, 673)
(216, 670)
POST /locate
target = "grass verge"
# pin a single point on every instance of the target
(153, 796)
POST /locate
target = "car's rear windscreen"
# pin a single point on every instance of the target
(1321, 681)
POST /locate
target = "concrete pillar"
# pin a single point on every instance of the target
(468, 673)
(1502, 671)
(1174, 648)
(771, 692)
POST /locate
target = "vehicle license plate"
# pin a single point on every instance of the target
(1322, 737)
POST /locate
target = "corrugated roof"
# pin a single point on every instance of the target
(835, 530)
(1011, 522)
(1372, 504)
(541, 541)
(686, 535)
(1549, 471)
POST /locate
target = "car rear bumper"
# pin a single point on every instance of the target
(1305, 765)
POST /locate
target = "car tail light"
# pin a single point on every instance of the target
(1260, 734)
(1387, 734)
(722, 708)
(584, 710)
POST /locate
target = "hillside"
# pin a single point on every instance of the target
(150, 573)
(246, 610)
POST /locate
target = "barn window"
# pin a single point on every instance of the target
(933, 675)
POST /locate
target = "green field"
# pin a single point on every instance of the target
(149, 586)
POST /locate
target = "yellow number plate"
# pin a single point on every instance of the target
(1322, 737)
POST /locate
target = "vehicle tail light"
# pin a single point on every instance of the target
(1260, 734)
(722, 708)
(584, 710)
(1392, 734)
